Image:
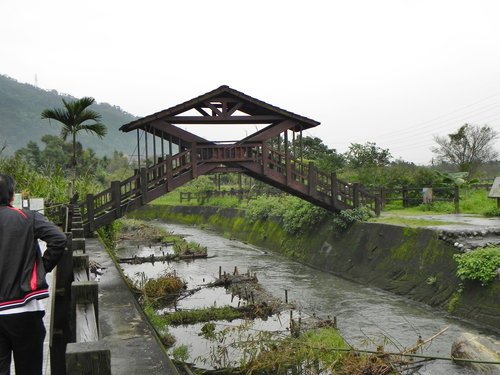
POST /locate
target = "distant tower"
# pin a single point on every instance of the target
(36, 80)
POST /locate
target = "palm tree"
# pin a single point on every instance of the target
(74, 117)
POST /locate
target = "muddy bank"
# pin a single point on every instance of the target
(405, 261)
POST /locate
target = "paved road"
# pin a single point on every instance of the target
(465, 231)
(461, 221)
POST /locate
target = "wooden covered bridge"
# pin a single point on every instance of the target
(174, 156)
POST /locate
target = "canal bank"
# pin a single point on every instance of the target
(407, 261)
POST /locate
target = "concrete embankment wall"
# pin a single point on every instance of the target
(406, 261)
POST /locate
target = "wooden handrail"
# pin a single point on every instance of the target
(275, 166)
(75, 296)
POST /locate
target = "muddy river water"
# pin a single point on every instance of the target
(365, 315)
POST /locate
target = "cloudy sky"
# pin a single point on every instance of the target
(394, 72)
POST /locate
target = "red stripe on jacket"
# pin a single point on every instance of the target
(33, 277)
(18, 211)
(27, 296)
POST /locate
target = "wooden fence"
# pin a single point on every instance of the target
(75, 348)
(412, 196)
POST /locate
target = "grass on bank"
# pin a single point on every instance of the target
(472, 201)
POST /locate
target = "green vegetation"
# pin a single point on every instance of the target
(75, 119)
(454, 301)
(167, 286)
(20, 108)
(481, 265)
(131, 229)
(200, 315)
(158, 291)
(181, 353)
(311, 348)
(161, 329)
(108, 235)
(468, 148)
(192, 248)
(346, 218)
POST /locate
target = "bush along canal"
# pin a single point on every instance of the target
(217, 325)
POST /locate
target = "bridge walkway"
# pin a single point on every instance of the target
(255, 159)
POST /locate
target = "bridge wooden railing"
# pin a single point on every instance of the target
(257, 159)
(74, 342)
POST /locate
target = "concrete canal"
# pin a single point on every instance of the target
(367, 317)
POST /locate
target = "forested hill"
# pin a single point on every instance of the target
(20, 122)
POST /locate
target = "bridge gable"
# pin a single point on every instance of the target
(223, 105)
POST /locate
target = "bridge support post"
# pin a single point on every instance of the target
(312, 179)
(355, 194)
(194, 160)
(116, 196)
(144, 185)
(264, 157)
(169, 173)
(288, 166)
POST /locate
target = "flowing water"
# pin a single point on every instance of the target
(366, 316)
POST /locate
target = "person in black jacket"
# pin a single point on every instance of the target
(22, 281)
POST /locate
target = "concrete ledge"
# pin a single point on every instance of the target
(88, 358)
(123, 328)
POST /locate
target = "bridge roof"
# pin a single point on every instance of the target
(224, 105)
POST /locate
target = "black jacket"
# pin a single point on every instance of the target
(22, 267)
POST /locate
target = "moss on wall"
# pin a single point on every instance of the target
(406, 261)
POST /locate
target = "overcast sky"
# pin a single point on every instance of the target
(395, 72)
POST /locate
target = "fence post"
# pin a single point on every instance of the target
(382, 198)
(83, 292)
(334, 188)
(90, 211)
(288, 167)
(378, 206)
(88, 358)
(61, 301)
(312, 179)
(405, 196)
(456, 199)
(168, 165)
(355, 194)
(116, 196)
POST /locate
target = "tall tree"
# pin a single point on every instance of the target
(313, 148)
(468, 148)
(75, 117)
(367, 155)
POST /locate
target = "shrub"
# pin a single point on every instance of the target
(344, 219)
(181, 353)
(165, 286)
(493, 212)
(264, 207)
(301, 215)
(480, 265)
